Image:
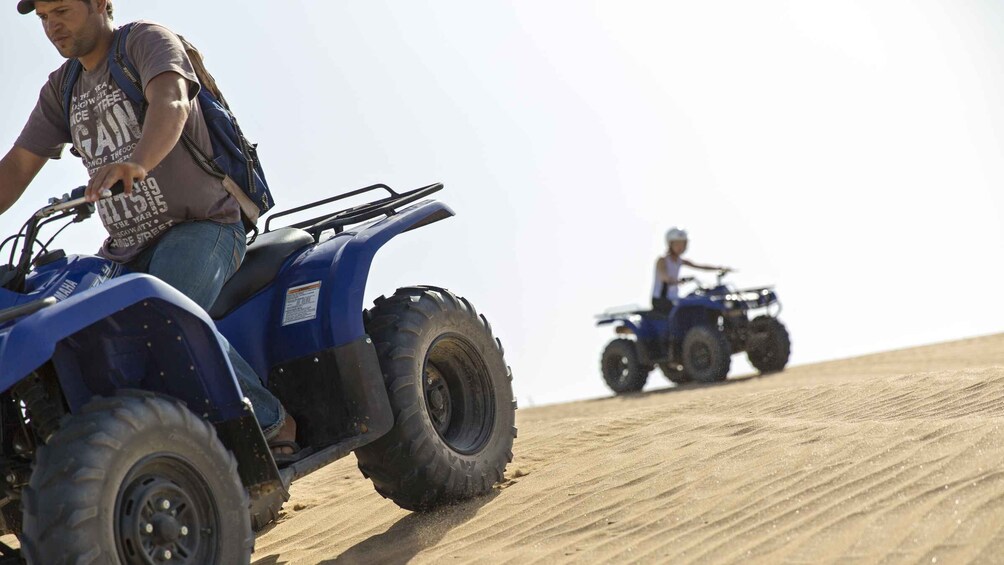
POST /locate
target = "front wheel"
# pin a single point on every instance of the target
(769, 345)
(451, 393)
(135, 480)
(707, 356)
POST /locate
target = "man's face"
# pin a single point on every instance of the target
(71, 25)
(678, 247)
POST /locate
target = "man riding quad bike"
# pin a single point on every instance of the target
(125, 438)
(695, 340)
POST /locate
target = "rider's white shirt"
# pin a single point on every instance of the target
(672, 269)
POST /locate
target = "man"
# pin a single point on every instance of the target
(175, 221)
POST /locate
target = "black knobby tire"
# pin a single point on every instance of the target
(621, 368)
(706, 354)
(770, 344)
(130, 477)
(451, 393)
(674, 373)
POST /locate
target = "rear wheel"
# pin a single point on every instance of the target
(622, 370)
(451, 393)
(674, 373)
(769, 345)
(135, 480)
(707, 356)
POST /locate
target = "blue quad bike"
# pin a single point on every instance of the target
(695, 341)
(125, 439)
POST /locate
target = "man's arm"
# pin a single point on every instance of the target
(17, 169)
(168, 110)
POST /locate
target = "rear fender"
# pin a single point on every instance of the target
(621, 323)
(351, 269)
(336, 270)
(133, 332)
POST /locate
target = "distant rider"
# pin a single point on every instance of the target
(665, 290)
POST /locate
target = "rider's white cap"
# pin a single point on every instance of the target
(676, 234)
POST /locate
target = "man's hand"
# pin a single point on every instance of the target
(107, 176)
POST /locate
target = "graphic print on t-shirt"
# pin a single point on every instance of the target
(105, 130)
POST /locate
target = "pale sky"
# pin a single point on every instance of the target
(849, 152)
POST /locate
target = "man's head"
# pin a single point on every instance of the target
(73, 26)
(27, 6)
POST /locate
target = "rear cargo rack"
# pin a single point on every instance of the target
(338, 221)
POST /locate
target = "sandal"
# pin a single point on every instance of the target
(286, 458)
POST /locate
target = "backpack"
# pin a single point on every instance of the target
(235, 159)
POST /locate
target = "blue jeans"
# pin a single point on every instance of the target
(197, 258)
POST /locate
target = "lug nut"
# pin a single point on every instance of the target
(184, 530)
(165, 504)
(148, 528)
(167, 555)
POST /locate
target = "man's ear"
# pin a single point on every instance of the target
(101, 6)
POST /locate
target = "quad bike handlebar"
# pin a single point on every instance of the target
(720, 275)
(76, 200)
(73, 206)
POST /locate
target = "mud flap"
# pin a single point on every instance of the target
(255, 466)
(339, 400)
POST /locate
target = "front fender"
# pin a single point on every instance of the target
(700, 302)
(690, 312)
(131, 332)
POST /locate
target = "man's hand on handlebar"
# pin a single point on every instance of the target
(127, 173)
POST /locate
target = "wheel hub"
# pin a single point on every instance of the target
(160, 523)
(702, 356)
(437, 396)
(459, 395)
(166, 528)
(625, 369)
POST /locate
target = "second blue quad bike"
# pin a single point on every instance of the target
(695, 340)
(124, 436)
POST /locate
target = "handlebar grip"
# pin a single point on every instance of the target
(115, 190)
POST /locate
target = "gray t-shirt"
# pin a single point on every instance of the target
(105, 129)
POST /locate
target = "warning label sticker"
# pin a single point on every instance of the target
(301, 303)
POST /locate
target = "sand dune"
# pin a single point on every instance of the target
(889, 458)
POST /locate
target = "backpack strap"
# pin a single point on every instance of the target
(132, 89)
(127, 77)
(73, 70)
(123, 72)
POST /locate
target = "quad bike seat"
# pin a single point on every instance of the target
(261, 264)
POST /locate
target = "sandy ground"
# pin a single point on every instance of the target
(889, 458)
